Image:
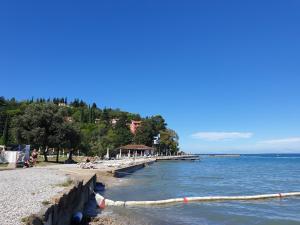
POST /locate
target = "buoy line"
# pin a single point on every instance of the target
(102, 202)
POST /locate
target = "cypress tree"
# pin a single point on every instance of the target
(93, 115)
(5, 131)
(90, 114)
(81, 115)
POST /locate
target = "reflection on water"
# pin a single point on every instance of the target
(244, 175)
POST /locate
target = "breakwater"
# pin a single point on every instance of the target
(178, 157)
(124, 171)
(63, 206)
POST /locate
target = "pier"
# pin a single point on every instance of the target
(178, 157)
(128, 169)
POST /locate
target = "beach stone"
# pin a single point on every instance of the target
(25, 191)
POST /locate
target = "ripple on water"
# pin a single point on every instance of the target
(214, 176)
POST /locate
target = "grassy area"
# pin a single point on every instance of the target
(3, 165)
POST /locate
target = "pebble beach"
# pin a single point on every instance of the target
(26, 191)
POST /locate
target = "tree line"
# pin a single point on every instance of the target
(76, 125)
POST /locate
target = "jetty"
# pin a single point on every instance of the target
(178, 157)
(127, 169)
(224, 155)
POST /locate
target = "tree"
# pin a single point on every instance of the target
(158, 123)
(2, 115)
(75, 103)
(123, 136)
(144, 134)
(70, 138)
(41, 123)
(39, 126)
(91, 114)
(169, 141)
(105, 116)
(81, 115)
(2, 102)
(5, 131)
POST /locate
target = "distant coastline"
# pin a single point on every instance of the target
(248, 154)
(224, 155)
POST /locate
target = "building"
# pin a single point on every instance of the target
(97, 121)
(69, 119)
(114, 121)
(135, 150)
(134, 125)
(62, 104)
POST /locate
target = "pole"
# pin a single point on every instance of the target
(107, 153)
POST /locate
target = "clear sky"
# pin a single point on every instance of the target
(224, 74)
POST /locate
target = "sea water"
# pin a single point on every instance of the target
(212, 176)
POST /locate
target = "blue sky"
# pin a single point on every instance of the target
(224, 74)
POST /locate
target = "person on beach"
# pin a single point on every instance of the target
(34, 156)
(26, 164)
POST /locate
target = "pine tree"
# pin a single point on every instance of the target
(82, 104)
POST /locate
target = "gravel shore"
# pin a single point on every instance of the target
(24, 190)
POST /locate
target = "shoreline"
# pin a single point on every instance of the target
(41, 187)
(112, 179)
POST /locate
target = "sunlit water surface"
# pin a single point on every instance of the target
(245, 175)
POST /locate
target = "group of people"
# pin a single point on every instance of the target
(31, 161)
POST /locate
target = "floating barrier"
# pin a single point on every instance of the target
(102, 202)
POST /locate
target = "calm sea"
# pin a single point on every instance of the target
(245, 175)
